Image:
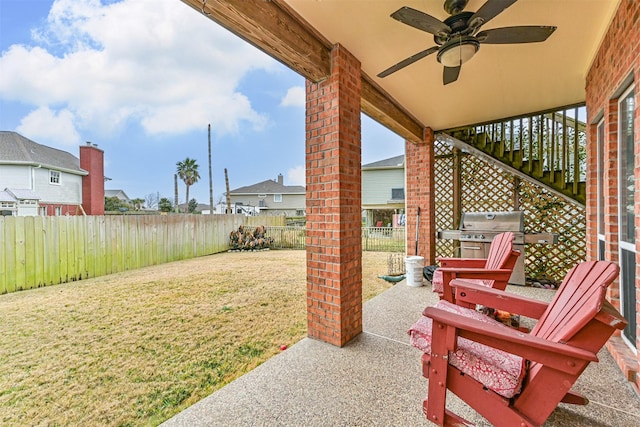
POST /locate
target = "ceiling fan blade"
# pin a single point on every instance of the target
(420, 20)
(410, 60)
(450, 74)
(490, 10)
(508, 35)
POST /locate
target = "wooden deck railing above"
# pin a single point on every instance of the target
(548, 147)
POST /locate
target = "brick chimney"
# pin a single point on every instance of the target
(92, 160)
(280, 179)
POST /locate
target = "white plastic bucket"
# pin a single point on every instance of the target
(414, 266)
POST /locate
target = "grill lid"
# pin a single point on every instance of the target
(492, 221)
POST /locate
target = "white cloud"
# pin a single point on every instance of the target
(44, 124)
(295, 97)
(296, 176)
(160, 64)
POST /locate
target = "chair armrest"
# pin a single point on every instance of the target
(561, 357)
(610, 316)
(471, 293)
(499, 276)
(462, 262)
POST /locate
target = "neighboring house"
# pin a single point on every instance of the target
(40, 180)
(272, 197)
(383, 192)
(120, 194)
(237, 209)
(202, 208)
(15, 202)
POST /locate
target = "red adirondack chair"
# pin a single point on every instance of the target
(493, 271)
(509, 377)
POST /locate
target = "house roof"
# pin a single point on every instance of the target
(16, 149)
(499, 81)
(22, 194)
(269, 187)
(5, 196)
(116, 193)
(199, 208)
(392, 162)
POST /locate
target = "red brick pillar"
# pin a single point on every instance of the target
(334, 203)
(420, 192)
(92, 160)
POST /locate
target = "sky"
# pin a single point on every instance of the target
(143, 79)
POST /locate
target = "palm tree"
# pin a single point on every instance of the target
(188, 172)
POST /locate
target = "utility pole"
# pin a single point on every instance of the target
(210, 176)
(226, 180)
(175, 188)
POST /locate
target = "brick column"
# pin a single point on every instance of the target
(420, 192)
(334, 203)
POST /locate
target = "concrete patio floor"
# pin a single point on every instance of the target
(376, 380)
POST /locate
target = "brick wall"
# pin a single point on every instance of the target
(334, 244)
(92, 160)
(613, 69)
(420, 192)
(64, 209)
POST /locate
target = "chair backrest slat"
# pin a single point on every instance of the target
(500, 249)
(577, 301)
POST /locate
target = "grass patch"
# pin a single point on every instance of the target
(136, 348)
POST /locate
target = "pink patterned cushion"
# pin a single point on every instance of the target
(438, 286)
(500, 371)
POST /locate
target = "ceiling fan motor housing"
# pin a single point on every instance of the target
(455, 6)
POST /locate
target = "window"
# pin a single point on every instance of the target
(277, 198)
(10, 205)
(43, 210)
(602, 186)
(58, 210)
(397, 194)
(54, 177)
(626, 215)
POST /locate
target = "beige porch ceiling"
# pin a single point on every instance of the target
(500, 81)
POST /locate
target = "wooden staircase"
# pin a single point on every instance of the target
(548, 148)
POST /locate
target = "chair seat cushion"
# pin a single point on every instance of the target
(437, 286)
(499, 371)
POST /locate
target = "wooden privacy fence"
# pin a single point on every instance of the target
(39, 251)
(379, 239)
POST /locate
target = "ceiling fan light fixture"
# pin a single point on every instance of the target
(457, 52)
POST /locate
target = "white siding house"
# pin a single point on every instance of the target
(272, 198)
(41, 179)
(383, 184)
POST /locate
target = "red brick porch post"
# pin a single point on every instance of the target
(334, 202)
(420, 192)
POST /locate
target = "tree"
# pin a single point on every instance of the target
(138, 203)
(165, 205)
(188, 172)
(151, 200)
(192, 206)
(112, 204)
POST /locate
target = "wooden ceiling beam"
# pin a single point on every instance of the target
(273, 27)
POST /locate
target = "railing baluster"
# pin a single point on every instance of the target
(576, 154)
(530, 145)
(502, 142)
(540, 167)
(552, 153)
(564, 149)
(512, 144)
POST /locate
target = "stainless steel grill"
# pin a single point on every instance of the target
(477, 230)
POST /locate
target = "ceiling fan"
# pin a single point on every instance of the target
(458, 39)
